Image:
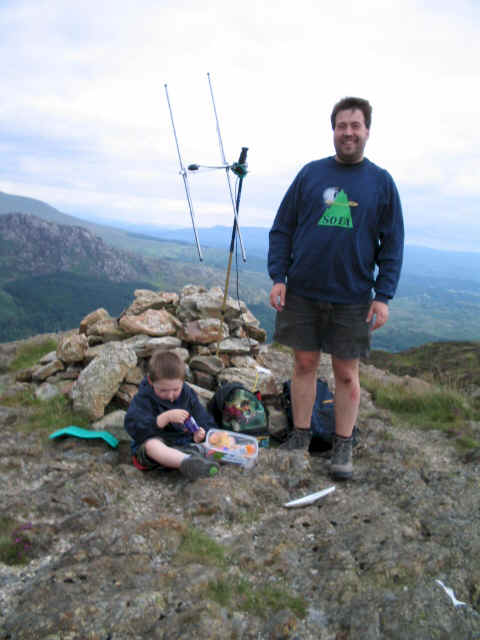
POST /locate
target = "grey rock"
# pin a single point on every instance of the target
(42, 372)
(46, 391)
(101, 379)
(207, 364)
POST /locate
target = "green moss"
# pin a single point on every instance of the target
(281, 347)
(30, 353)
(46, 415)
(443, 410)
(15, 542)
(258, 599)
(453, 364)
(197, 546)
(221, 592)
(235, 592)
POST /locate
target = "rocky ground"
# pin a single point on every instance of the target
(115, 553)
(118, 553)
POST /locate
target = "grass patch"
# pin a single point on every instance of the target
(15, 542)
(445, 410)
(260, 600)
(46, 415)
(30, 353)
(237, 592)
(452, 364)
(197, 546)
(281, 347)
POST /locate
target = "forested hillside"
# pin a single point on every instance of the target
(438, 298)
(52, 275)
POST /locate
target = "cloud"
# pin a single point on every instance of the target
(85, 119)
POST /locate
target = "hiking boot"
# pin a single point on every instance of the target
(195, 467)
(341, 466)
(297, 439)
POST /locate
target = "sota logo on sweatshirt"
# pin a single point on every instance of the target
(338, 212)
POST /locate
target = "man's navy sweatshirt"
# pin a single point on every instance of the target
(336, 223)
(141, 417)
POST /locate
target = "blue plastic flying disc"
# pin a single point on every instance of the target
(78, 432)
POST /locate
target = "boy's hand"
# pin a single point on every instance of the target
(174, 415)
(199, 435)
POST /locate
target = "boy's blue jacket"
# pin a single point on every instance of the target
(141, 416)
(336, 223)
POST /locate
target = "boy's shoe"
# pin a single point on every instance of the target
(341, 466)
(297, 439)
(195, 467)
(196, 449)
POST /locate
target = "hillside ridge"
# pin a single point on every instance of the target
(32, 245)
(435, 289)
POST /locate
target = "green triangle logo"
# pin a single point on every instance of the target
(338, 214)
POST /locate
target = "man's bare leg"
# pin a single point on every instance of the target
(303, 391)
(304, 387)
(347, 395)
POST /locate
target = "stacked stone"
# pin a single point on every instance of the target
(106, 359)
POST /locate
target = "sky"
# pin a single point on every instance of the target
(85, 125)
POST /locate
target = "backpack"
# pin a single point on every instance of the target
(323, 417)
(235, 408)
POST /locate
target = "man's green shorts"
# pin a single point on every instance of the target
(341, 330)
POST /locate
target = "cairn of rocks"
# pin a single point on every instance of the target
(100, 365)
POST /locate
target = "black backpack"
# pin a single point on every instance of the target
(235, 408)
(323, 417)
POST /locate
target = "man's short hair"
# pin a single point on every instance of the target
(353, 103)
(166, 365)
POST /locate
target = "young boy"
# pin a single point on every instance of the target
(156, 416)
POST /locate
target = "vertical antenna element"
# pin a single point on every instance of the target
(224, 160)
(183, 173)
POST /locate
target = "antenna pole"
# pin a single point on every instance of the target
(183, 173)
(241, 161)
(224, 161)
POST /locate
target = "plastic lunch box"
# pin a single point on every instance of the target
(229, 446)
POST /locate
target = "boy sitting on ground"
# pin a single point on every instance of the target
(156, 419)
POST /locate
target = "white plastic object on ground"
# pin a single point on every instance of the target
(311, 498)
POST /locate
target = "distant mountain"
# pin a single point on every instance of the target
(21, 204)
(33, 246)
(254, 239)
(147, 240)
(142, 239)
(52, 275)
(419, 261)
(455, 266)
(438, 297)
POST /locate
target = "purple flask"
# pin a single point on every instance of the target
(191, 424)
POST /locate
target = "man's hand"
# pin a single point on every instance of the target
(277, 296)
(380, 311)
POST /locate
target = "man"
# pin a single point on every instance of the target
(339, 220)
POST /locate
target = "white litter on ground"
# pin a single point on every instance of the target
(451, 595)
(312, 497)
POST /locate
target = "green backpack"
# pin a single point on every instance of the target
(235, 408)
